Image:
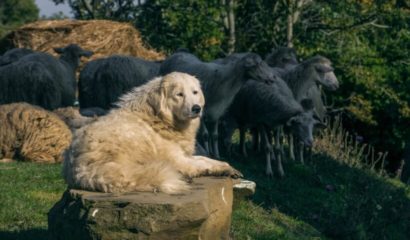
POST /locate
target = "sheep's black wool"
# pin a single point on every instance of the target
(104, 80)
(41, 79)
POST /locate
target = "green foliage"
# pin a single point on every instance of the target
(195, 25)
(14, 13)
(55, 16)
(261, 25)
(368, 41)
(119, 10)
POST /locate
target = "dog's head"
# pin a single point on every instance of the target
(181, 97)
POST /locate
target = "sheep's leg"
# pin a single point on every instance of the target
(227, 143)
(300, 152)
(267, 148)
(278, 153)
(277, 142)
(203, 131)
(281, 139)
(214, 139)
(309, 154)
(255, 140)
(242, 146)
(291, 147)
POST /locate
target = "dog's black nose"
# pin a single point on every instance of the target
(196, 109)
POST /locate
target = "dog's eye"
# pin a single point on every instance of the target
(195, 92)
(180, 94)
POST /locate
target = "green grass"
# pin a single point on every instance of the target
(27, 192)
(323, 199)
(251, 221)
(336, 200)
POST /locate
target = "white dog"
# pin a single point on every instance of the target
(146, 144)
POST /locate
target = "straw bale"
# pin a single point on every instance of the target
(103, 37)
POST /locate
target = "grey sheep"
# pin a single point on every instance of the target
(104, 80)
(220, 83)
(267, 108)
(41, 79)
(282, 57)
(315, 70)
(303, 79)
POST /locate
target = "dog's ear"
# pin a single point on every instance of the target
(163, 109)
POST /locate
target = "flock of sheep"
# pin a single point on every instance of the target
(242, 91)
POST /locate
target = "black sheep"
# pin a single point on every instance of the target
(104, 80)
(41, 79)
(13, 55)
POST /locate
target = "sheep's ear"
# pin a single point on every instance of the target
(86, 53)
(307, 104)
(323, 68)
(59, 50)
(252, 60)
(291, 121)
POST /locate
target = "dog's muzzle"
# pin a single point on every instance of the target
(196, 109)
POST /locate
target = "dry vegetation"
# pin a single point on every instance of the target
(103, 37)
(338, 143)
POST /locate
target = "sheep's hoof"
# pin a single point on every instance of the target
(281, 174)
(269, 174)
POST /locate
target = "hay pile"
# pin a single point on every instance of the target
(103, 37)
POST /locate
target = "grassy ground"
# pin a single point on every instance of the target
(338, 201)
(323, 199)
(27, 192)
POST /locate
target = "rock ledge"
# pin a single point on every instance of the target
(202, 213)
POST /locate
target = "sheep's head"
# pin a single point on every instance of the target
(72, 54)
(320, 69)
(282, 57)
(74, 50)
(302, 124)
(257, 69)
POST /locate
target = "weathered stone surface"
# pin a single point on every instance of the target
(242, 189)
(202, 213)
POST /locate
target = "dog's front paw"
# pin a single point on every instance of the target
(235, 173)
(231, 172)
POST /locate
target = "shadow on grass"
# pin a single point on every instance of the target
(29, 234)
(339, 201)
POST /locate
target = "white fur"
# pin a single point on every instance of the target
(146, 144)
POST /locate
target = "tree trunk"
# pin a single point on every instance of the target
(224, 15)
(231, 25)
(289, 29)
(294, 11)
